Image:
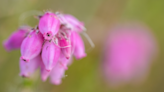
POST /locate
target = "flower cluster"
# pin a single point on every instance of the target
(49, 46)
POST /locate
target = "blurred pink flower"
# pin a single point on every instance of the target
(43, 71)
(77, 45)
(71, 23)
(58, 71)
(15, 40)
(28, 68)
(128, 53)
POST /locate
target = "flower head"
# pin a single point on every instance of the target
(48, 47)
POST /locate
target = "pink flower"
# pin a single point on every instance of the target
(49, 25)
(65, 44)
(50, 54)
(16, 38)
(49, 46)
(43, 71)
(57, 74)
(71, 23)
(128, 53)
(58, 71)
(31, 45)
(28, 68)
(77, 45)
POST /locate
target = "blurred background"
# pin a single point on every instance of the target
(99, 16)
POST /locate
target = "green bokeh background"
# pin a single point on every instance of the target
(83, 75)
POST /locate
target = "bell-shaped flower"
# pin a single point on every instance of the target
(44, 73)
(62, 62)
(71, 23)
(58, 72)
(15, 40)
(49, 25)
(31, 45)
(50, 54)
(65, 44)
(77, 44)
(28, 68)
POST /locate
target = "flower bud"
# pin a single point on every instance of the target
(58, 71)
(31, 45)
(70, 22)
(49, 25)
(44, 72)
(16, 38)
(28, 68)
(50, 54)
(65, 45)
(77, 45)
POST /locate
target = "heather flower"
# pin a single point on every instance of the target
(58, 71)
(50, 54)
(16, 38)
(71, 23)
(31, 45)
(28, 68)
(65, 43)
(57, 74)
(49, 25)
(128, 53)
(49, 46)
(43, 71)
(77, 45)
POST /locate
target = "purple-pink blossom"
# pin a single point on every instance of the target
(50, 54)
(65, 43)
(78, 45)
(48, 47)
(128, 52)
(49, 25)
(70, 22)
(16, 38)
(31, 45)
(28, 68)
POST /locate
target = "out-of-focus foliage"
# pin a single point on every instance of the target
(98, 16)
